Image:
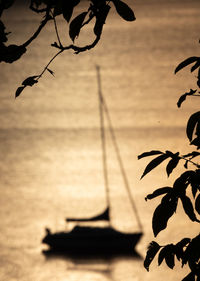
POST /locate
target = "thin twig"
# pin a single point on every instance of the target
(78, 49)
(188, 160)
(56, 29)
(39, 76)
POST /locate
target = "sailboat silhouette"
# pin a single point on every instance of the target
(83, 240)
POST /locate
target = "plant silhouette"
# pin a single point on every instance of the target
(187, 250)
(96, 14)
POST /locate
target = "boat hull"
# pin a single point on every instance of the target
(88, 240)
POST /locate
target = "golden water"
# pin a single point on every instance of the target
(50, 142)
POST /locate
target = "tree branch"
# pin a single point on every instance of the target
(58, 53)
(78, 49)
(41, 26)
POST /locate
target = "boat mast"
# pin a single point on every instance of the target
(103, 144)
(103, 107)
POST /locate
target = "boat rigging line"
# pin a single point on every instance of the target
(103, 109)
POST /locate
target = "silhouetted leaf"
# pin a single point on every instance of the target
(30, 81)
(197, 131)
(150, 153)
(172, 164)
(11, 53)
(197, 180)
(154, 163)
(183, 97)
(195, 66)
(158, 192)
(185, 63)
(192, 154)
(182, 182)
(198, 78)
(192, 254)
(183, 242)
(162, 255)
(194, 188)
(153, 249)
(167, 253)
(186, 164)
(181, 100)
(192, 122)
(170, 153)
(188, 208)
(196, 142)
(3, 34)
(50, 71)
(170, 260)
(180, 246)
(58, 8)
(100, 19)
(68, 7)
(75, 25)
(191, 92)
(189, 277)
(124, 10)
(18, 91)
(197, 204)
(162, 213)
(55, 44)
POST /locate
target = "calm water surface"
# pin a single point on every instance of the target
(50, 142)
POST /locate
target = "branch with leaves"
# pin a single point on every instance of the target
(185, 251)
(50, 10)
(193, 93)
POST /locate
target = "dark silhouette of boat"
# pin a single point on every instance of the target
(88, 240)
(85, 240)
(92, 240)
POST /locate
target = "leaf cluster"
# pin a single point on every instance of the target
(193, 129)
(30, 81)
(96, 13)
(187, 250)
(174, 160)
(167, 207)
(196, 66)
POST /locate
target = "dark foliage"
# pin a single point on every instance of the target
(11, 53)
(153, 249)
(50, 10)
(187, 250)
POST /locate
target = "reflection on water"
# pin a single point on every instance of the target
(103, 268)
